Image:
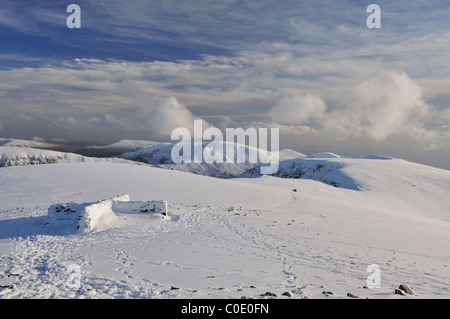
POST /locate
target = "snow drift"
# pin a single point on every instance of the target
(81, 218)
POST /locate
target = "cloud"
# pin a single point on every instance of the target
(143, 98)
(167, 115)
(154, 121)
(298, 109)
(73, 123)
(111, 121)
(389, 105)
(441, 118)
(253, 63)
(224, 122)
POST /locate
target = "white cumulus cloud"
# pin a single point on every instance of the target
(167, 115)
(298, 109)
(389, 105)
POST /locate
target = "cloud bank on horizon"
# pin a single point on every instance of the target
(312, 68)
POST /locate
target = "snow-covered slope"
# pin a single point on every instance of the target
(323, 155)
(228, 238)
(153, 154)
(397, 182)
(323, 170)
(19, 156)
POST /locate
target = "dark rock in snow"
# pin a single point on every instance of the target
(269, 294)
(328, 293)
(406, 289)
(7, 286)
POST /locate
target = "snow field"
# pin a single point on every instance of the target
(228, 238)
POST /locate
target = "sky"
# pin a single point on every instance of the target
(139, 69)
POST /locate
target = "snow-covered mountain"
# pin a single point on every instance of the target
(39, 144)
(19, 156)
(115, 149)
(151, 153)
(159, 155)
(323, 155)
(314, 168)
(333, 169)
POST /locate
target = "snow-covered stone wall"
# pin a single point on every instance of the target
(85, 217)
